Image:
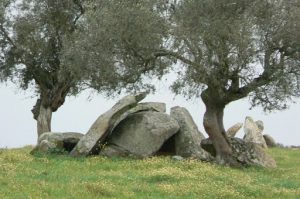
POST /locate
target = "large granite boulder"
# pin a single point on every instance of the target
(246, 153)
(188, 139)
(253, 133)
(232, 131)
(57, 142)
(270, 141)
(140, 135)
(92, 141)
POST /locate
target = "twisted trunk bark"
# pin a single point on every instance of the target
(214, 128)
(213, 124)
(50, 100)
(44, 120)
(43, 115)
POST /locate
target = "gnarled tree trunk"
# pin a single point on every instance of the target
(44, 120)
(50, 100)
(43, 115)
(213, 124)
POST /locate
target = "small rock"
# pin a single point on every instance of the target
(177, 158)
(57, 142)
(269, 141)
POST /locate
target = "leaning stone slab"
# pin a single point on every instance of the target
(57, 142)
(91, 142)
(140, 135)
(188, 139)
(232, 131)
(253, 133)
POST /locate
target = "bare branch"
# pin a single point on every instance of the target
(6, 36)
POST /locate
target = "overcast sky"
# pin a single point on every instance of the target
(18, 128)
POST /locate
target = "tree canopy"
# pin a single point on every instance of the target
(117, 40)
(240, 48)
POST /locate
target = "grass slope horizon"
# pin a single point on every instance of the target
(59, 176)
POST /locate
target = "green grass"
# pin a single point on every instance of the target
(26, 176)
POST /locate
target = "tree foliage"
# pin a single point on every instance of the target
(3, 38)
(33, 32)
(239, 48)
(116, 41)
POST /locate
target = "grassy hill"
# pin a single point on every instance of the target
(26, 176)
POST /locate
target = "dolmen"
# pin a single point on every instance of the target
(132, 128)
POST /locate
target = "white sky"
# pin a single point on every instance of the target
(18, 128)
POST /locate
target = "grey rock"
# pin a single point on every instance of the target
(114, 151)
(247, 153)
(188, 139)
(46, 146)
(177, 158)
(141, 134)
(232, 131)
(270, 140)
(57, 142)
(252, 154)
(91, 142)
(253, 133)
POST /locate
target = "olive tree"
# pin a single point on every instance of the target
(57, 49)
(231, 49)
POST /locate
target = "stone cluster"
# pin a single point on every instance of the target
(142, 130)
(253, 132)
(133, 129)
